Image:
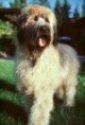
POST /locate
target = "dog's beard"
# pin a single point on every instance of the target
(33, 37)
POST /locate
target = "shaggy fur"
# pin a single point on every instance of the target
(44, 71)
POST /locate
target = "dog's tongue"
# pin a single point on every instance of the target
(42, 42)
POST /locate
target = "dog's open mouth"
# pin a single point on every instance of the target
(43, 36)
(43, 40)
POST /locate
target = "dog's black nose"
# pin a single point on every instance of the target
(36, 18)
(44, 29)
(44, 32)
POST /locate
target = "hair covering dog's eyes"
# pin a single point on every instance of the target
(21, 19)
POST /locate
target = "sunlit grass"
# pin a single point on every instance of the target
(7, 70)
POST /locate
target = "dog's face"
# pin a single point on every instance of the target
(36, 27)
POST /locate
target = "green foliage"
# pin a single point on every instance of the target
(76, 14)
(41, 2)
(58, 12)
(65, 11)
(83, 8)
(62, 12)
(1, 5)
(18, 3)
(58, 7)
(7, 30)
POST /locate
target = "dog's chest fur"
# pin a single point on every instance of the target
(44, 73)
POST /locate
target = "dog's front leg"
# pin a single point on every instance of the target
(40, 112)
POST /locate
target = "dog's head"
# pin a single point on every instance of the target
(36, 27)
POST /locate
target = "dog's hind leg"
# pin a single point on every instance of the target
(70, 92)
(40, 112)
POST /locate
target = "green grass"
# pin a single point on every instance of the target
(60, 116)
(7, 70)
(7, 76)
(71, 115)
(7, 120)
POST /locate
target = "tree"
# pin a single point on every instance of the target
(41, 2)
(76, 14)
(83, 8)
(65, 11)
(58, 12)
(18, 3)
(62, 12)
(1, 4)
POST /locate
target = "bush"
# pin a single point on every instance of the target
(7, 30)
(7, 37)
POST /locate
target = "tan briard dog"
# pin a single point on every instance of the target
(44, 68)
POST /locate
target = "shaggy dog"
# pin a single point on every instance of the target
(44, 69)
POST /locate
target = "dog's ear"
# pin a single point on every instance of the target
(21, 20)
(18, 22)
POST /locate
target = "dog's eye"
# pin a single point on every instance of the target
(46, 19)
(21, 21)
(23, 18)
(36, 18)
